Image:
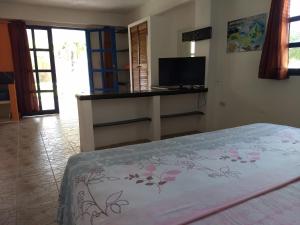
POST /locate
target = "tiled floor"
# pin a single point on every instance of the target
(33, 155)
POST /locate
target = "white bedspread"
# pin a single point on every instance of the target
(199, 179)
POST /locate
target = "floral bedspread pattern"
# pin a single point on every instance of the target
(180, 180)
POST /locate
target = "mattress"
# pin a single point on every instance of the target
(244, 175)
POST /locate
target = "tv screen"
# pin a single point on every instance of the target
(182, 71)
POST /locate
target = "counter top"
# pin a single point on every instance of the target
(137, 94)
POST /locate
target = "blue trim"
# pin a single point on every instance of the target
(103, 70)
(294, 72)
(294, 45)
(104, 89)
(114, 59)
(102, 50)
(100, 33)
(294, 19)
(96, 30)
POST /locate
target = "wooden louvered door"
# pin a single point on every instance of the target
(143, 56)
(139, 56)
(135, 58)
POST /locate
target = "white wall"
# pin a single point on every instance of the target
(153, 7)
(236, 95)
(203, 19)
(166, 30)
(167, 26)
(166, 34)
(59, 16)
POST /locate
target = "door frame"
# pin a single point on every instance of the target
(102, 50)
(150, 80)
(52, 70)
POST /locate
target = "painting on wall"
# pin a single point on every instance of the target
(247, 34)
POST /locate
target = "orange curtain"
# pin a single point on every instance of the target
(274, 59)
(6, 62)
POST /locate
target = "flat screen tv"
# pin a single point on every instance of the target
(188, 71)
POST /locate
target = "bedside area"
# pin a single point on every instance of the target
(4, 110)
(8, 98)
(115, 119)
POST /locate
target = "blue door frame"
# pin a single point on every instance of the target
(102, 50)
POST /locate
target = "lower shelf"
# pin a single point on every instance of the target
(179, 134)
(123, 122)
(4, 102)
(123, 144)
(182, 114)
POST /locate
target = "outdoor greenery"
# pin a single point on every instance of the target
(294, 53)
(71, 51)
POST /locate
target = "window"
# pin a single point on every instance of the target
(193, 48)
(294, 43)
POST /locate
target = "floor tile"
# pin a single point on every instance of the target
(44, 214)
(34, 194)
(8, 173)
(8, 217)
(8, 198)
(33, 156)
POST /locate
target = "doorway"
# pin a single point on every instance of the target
(60, 68)
(71, 69)
(42, 58)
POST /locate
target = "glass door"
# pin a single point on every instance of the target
(102, 55)
(42, 58)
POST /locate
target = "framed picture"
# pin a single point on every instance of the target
(247, 34)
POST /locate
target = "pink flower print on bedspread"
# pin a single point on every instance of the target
(287, 137)
(253, 156)
(243, 157)
(186, 164)
(151, 177)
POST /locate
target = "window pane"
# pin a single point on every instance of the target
(45, 81)
(32, 60)
(193, 48)
(95, 40)
(47, 101)
(41, 39)
(97, 77)
(295, 8)
(29, 36)
(96, 60)
(294, 58)
(43, 59)
(295, 32)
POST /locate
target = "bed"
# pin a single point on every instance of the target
(244, 175)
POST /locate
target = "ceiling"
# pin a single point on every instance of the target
(116, 6)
